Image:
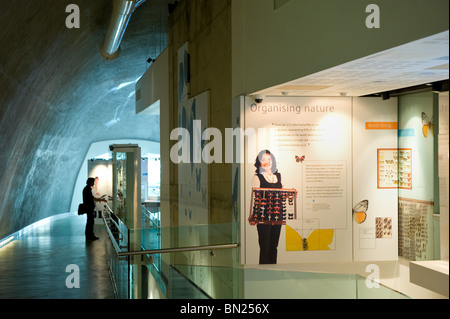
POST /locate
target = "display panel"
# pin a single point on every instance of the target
(309, 139)
(417, 203)
(192, 170)
(375, 179)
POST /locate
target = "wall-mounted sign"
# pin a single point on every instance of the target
(381, 125)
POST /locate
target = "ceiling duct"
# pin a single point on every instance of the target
(121, 14)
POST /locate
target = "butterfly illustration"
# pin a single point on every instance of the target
(299, 159)
(359, 211)
(427, 125)
(204, 195)
(318, 239)
(198, 177)
(305, 243)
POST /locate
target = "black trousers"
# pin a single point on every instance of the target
(268, 238)
(89, 232)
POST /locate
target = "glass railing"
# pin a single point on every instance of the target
(201, 262)
(151, 215)
(251, 283)
(139, 255)
(119, 270)
(182, 236)
(119, 266)
(164, 247)
(152, 236)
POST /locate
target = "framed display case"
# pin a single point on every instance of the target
(273, 206)
(394, 168)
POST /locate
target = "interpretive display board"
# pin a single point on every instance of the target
(341, 156)
(308, 141)
(193, 200)
(349, 160)
(376, 162)
(416, 203)
(192, 171)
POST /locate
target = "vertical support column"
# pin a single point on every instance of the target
(127, 181)
(135, 211)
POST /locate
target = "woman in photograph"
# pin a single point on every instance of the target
(267, 176)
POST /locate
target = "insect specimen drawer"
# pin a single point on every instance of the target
(273, 205)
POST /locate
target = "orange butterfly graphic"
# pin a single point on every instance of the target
(427, 125)
(299, 159)
(359, 211)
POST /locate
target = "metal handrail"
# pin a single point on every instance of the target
(111, 236)
(147, 214)
(117, 225)
(177, 250)
(161, 250)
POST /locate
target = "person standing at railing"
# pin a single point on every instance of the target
(89, 206)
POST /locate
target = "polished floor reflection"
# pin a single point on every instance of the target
(34, 267)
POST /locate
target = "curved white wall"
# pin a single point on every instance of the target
(100, 148)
